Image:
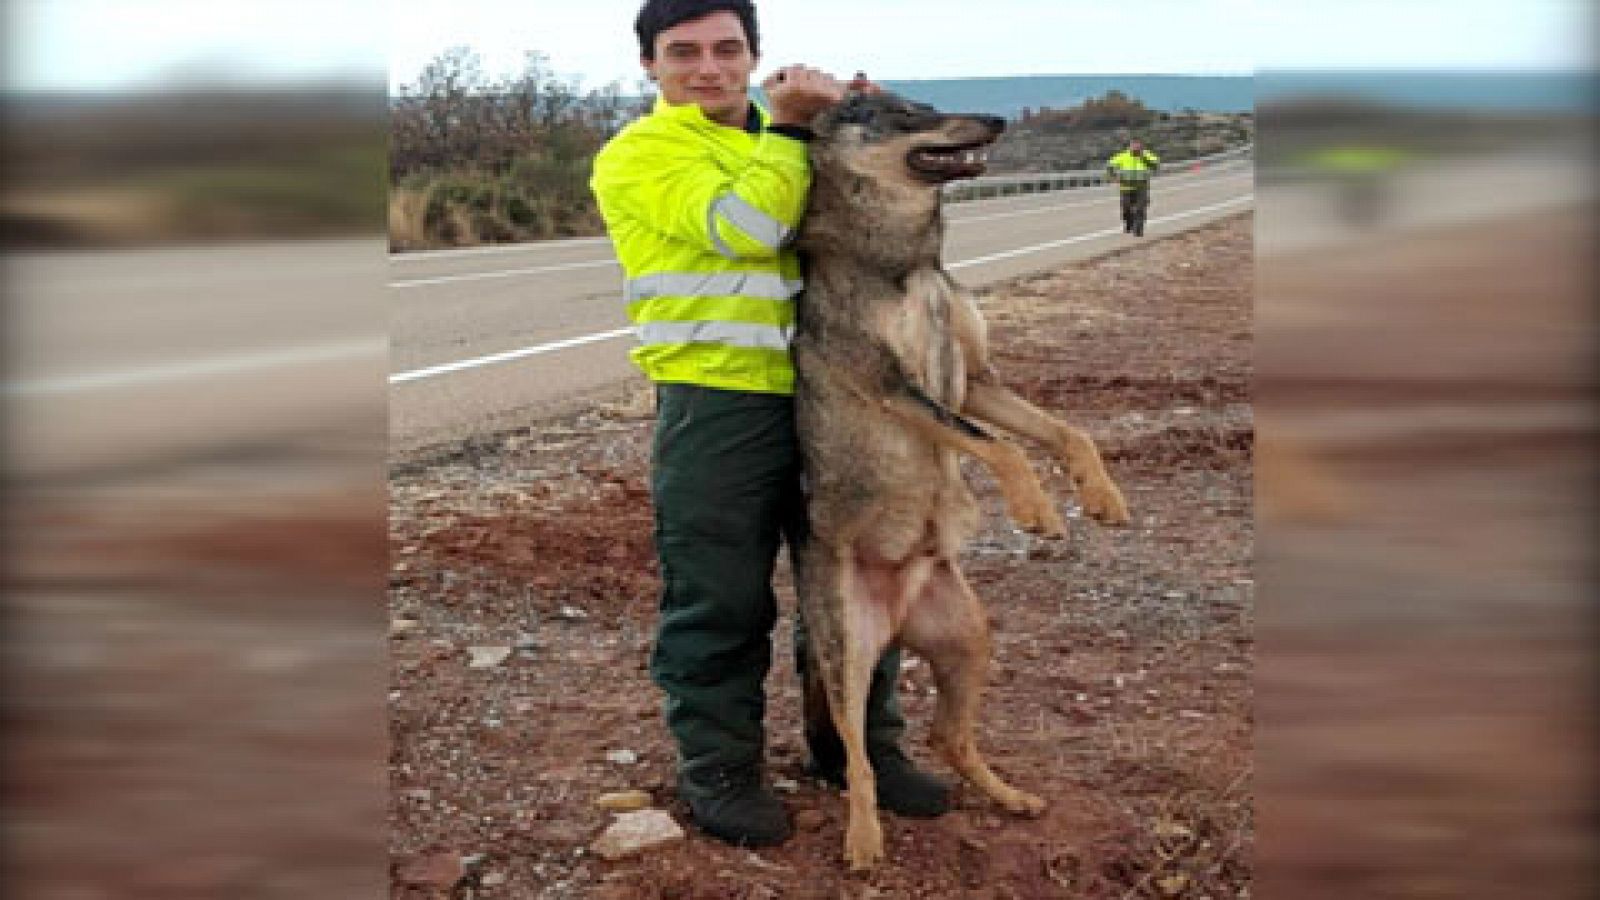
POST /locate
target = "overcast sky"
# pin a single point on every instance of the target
(119, 43)
(949, 38)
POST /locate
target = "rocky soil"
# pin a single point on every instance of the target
(522, 596)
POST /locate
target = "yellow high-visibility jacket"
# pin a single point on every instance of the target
(1133, 172)
(702, 216)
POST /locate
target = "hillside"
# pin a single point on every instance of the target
(1009, 96)
(1050, 142)
(472, 169)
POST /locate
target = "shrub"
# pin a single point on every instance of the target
(476, 161)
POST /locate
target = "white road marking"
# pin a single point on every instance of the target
(431, 371)
(1208, 175)
(420, 255)
(507, 273)
(251, 362)
(1034, 248)
(199, 368)
(1197, 181)
(1034, 210)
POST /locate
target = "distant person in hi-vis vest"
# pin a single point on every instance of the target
(1131, 170)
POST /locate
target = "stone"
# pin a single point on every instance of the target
(487, 657)
(623, 801)
(1172, 885)
(810, 819)
(635, 832)
(1172, 830)
(622, 757)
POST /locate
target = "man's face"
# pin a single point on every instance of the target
(1135, 146)
(706, 61)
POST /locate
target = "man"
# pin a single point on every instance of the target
(701, 198)
(1131, 170)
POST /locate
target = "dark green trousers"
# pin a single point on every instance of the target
(727, 492)
(1135, 205)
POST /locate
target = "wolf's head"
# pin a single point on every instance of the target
(893, 141)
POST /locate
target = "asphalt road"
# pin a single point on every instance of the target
(490, 338)
(127, 364)
(124, 363)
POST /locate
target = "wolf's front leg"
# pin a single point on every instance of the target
(1026, 501)
(998, 405)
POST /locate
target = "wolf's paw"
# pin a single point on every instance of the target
(1102, 501)
(1043, 520)
(1022, 803)
(1032, 510)
(863, 843)
(1037, 514)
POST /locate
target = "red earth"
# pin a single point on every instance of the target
(1120, 690)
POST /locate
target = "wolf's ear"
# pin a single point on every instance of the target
(831, 117)
(861, 84)
(852, 110)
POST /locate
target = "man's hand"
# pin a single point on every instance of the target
(798, 93)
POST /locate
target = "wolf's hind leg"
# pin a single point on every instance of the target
(946, 626)
(849, 630)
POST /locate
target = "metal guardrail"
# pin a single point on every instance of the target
(1040, 182)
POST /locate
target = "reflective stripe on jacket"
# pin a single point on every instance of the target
(702, 216)
(1133, 172)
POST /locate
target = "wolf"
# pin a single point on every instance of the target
(893, 386)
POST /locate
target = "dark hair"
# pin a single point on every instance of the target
(657, 16)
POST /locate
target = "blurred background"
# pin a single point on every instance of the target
(193, 208)
(194, 362)
(1426, 488)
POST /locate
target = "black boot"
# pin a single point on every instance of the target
(732, 804)
(903, 789)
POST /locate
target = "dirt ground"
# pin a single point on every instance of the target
(1120, 691)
